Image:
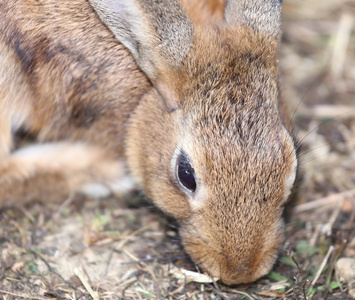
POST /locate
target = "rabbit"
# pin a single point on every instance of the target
(135, 93)
(206, 11)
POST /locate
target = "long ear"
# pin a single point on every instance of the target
(262, 15)
(157, 32)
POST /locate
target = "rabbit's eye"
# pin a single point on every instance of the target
(185, 173)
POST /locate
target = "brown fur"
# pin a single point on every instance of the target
(204, 12)
(216, 98)
(58, 63)
(66, 55)
(248, 198)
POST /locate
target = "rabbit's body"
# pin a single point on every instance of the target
(58, 57)
(64, 78)
(202, 136)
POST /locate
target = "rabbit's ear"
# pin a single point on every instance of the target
(158, 33)
(262, 15)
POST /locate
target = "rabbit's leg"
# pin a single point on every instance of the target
(5, 136)
(49, 172)
(15, 108)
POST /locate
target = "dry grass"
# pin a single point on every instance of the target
(86, 249)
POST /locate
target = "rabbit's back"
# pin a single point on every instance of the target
(63, 75)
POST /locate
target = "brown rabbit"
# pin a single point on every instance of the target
(204, 11)
(188, 112)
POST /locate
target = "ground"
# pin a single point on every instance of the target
(118, 249)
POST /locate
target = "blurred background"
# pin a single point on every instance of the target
(318, 79)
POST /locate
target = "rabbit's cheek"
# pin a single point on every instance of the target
(265, 258)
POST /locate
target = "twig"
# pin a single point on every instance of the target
(327, 228)
(329, 201)
(63, 205)
(125, 239)
(304, 288)
(112, 251)
(21, 296)
(27, 214)
(142, 265)
(218, 290)
(341, 44)
(50, 269)
(331, 111)
(87, 286)
(242, 293)
(320, 270)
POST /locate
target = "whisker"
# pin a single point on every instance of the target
(190, 244)
(315, 158)
(321, 124)
(308, 90)
(179, 257)
(319, 147)
(199, 260)
(169, 224)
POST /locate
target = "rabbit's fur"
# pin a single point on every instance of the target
(102, 110)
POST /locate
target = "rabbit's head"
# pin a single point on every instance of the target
(207, 142)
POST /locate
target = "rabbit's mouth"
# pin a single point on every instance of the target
(232, 263)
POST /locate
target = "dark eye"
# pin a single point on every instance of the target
(185, 173)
